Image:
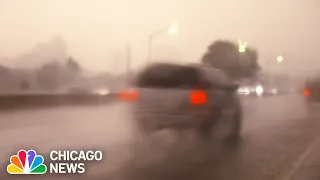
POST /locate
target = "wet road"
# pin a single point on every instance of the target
(280, 141)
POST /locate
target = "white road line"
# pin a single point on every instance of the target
(288, 175)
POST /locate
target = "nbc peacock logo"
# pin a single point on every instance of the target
(26, 162)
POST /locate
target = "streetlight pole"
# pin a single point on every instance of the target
(149, 49)
(151, 37)
(279, 60)
(172, 30)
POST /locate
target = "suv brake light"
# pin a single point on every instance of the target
(306, 92)
(129, 95)
(198, 97)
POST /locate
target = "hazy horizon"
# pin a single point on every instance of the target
(98, 31)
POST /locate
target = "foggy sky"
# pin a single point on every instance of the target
(97, 31)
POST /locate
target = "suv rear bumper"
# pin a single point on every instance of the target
(157, 121)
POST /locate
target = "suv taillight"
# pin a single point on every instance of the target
(198, 97)
(306, 92)
(129, 95)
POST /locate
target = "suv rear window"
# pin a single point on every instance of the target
(168, 76)
(216, 76)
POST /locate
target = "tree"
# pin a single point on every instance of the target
(49, 76)
(225, 55)
(25, 85)
(8, 79)
(72, 71)
(73, 66)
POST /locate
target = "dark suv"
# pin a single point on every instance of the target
(184, 97)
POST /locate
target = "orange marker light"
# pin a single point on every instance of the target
(306, 92)
(129, 95)
(198, 97)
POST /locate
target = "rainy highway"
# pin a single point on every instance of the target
(280, 141)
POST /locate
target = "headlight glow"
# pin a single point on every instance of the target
(244, 90)
(101, 92)
(274, 91)
(259, 90)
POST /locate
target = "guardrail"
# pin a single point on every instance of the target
(11, 101)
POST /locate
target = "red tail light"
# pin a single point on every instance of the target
(129, 95)
(306, 92)
(198, 97)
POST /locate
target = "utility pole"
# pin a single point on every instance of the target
(149, 49)
(128, 62)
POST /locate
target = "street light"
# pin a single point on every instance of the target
(173, 29)
(279, 59)
(242, 46)
(242, 49)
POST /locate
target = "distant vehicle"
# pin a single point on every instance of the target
(87, 91)
(249, 90)
(184, 97)
(260, 90)
(101, 91)
(311, 90)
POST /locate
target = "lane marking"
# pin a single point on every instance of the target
(297, 163)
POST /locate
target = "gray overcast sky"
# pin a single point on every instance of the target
(98, 30)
